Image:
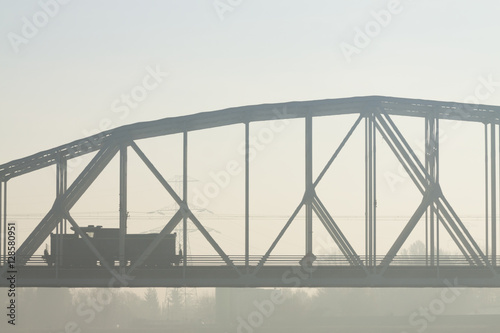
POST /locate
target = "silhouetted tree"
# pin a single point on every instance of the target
(151, 303)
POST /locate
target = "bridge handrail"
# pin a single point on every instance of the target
(288, 259)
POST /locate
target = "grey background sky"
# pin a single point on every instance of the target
(63, 81)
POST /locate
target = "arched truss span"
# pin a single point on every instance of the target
(375, 114)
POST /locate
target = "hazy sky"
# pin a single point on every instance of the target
(63, 77)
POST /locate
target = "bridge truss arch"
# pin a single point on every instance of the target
(477, 264)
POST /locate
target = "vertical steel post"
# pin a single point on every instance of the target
(367, 239)
(426, 238)
(123, 208)
(61, 183)
(247, 194)
(486, 191)
(374, 188)
(309, 185)
(432, 168)
(5, 221)
(185, 199)
(58, 237)
(61, 175)
(64, 186)
(493, 170)
(370, 189)
(1, 231)
(429, 154)
(431, 173)
(427, 211)
(436, 179)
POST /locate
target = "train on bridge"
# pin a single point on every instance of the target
(71, 250)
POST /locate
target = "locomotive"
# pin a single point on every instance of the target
(72, 251)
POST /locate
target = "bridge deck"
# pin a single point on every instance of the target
(268, 276)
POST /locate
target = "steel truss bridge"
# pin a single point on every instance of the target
(475, 267)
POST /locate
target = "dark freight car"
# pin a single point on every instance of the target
(72, 251)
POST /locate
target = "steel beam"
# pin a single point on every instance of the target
(337, 151)
(299, 207)
(183, 207)
(65, 202)
(410, 168)
(428, 198)
(159, 177)
(367, 241)
(431, 167)
(3, 240)
(268, 277)
(247, 194)
(308, 185)
(61, 174)
(335, 232)
(5, 221)
(185, 198)
(123, 208)
(90, 245)
(167, 229)
(493, 169)
(370, 190)
(212, 241)
(1, 227)
(486, 191)
(278, 238)
(395, 106)
(412, 164)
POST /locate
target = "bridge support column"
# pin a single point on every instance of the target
(123, 209)
(309, 186)
(370, 191)
(432, 168)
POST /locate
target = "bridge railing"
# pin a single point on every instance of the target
(293, 260)
(35, 260)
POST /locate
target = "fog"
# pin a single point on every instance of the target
(250, 310)
(451, 309)
(72, 69)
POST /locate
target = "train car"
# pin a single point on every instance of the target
(70, 250)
